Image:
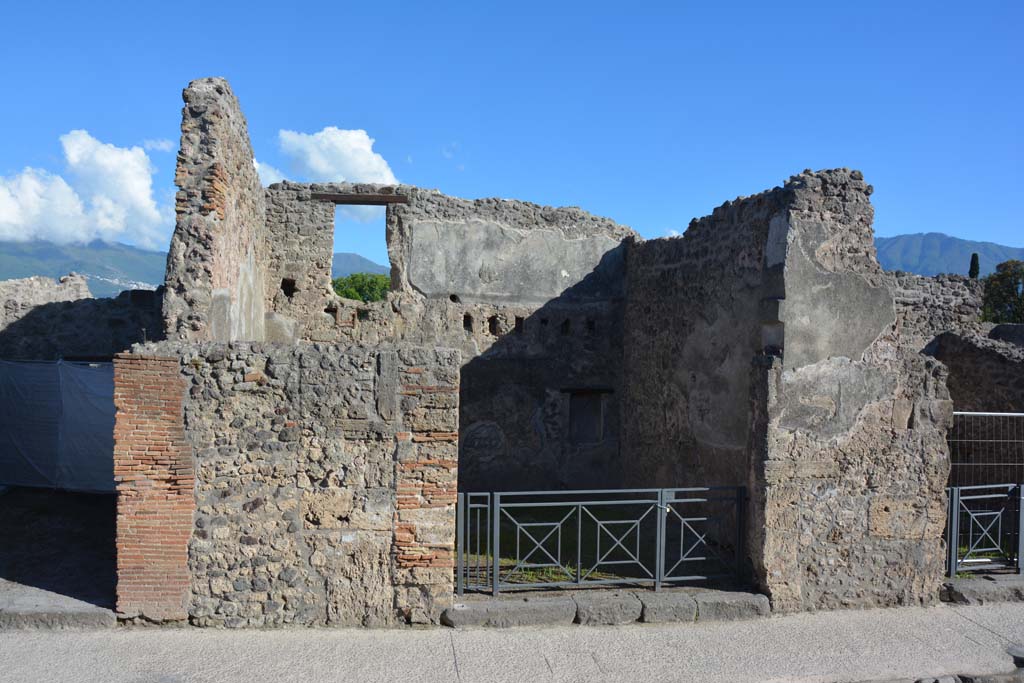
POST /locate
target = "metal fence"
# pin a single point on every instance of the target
(984, 515)
(986, 448)
(536, 539)
(983, 528)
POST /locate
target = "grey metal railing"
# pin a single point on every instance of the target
(983, 528)
(536, 539)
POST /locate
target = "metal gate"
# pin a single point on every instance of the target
(535, 539)
(985, 513)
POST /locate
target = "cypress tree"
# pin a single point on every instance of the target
(975, 267)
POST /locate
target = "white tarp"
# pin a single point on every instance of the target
(57, 425)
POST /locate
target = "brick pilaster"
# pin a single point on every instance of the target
(155, 488)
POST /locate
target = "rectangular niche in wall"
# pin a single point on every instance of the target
(586, 415)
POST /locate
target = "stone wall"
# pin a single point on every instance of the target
(215, 266)
(18, 297)
(325, 482)
(985, 375)
(43, 319)
(851, 468)
(693, 323)
(762, 349)
(531, 296)
(929, 306)
(154, 479)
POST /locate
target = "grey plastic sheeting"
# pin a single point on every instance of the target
(57, 425)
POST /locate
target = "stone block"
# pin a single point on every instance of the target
(728, 606)
(507, 612)
(667, 607)
(982, 590)
(606, 607)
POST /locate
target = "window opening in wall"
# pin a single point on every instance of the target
(520, 323)
(332, 311)
(492, 325)
(359, 243)
(566, 327)
(467, 323)
(586, 416)
(288, 287)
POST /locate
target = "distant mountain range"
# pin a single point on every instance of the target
(345, 263)
(113, 267)
(932, 253)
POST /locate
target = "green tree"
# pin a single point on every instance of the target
(1004, 294)
(362, 286)
(975, 267)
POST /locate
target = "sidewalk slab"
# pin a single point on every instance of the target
(24, 606)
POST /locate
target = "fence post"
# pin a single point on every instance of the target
(460, 539)
(496, 538)
(1020, 528)
(953, 531)
(741, 520)
(659, 540)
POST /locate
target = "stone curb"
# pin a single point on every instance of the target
(605, 608)
(57, 620)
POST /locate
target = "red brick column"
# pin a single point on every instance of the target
(155, 488)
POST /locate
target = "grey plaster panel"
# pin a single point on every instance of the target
(486, 261)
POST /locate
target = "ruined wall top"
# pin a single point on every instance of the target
(19, 296)
(216, 253)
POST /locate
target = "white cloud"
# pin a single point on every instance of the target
(110, 197)
(336, 155)
(267, 173)
(672, 232)
(159, 145)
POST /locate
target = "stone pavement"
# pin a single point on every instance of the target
(905, 643)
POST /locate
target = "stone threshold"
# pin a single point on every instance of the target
(27, 607)
(599, 607)
(984, 589)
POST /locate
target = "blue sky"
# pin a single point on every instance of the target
(649, 113)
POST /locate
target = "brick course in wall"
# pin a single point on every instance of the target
(155, 481)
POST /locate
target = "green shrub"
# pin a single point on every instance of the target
(362, 286)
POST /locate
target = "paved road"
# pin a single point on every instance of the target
(835, 646)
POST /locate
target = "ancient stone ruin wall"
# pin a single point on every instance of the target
(44, 319)
(698, 309)
(325, 482)
(762, 350)
(300, 246)
(929, 306)
(216, 262)
(530, 295)
(985, 374)
(850, 459)
(18, 297)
